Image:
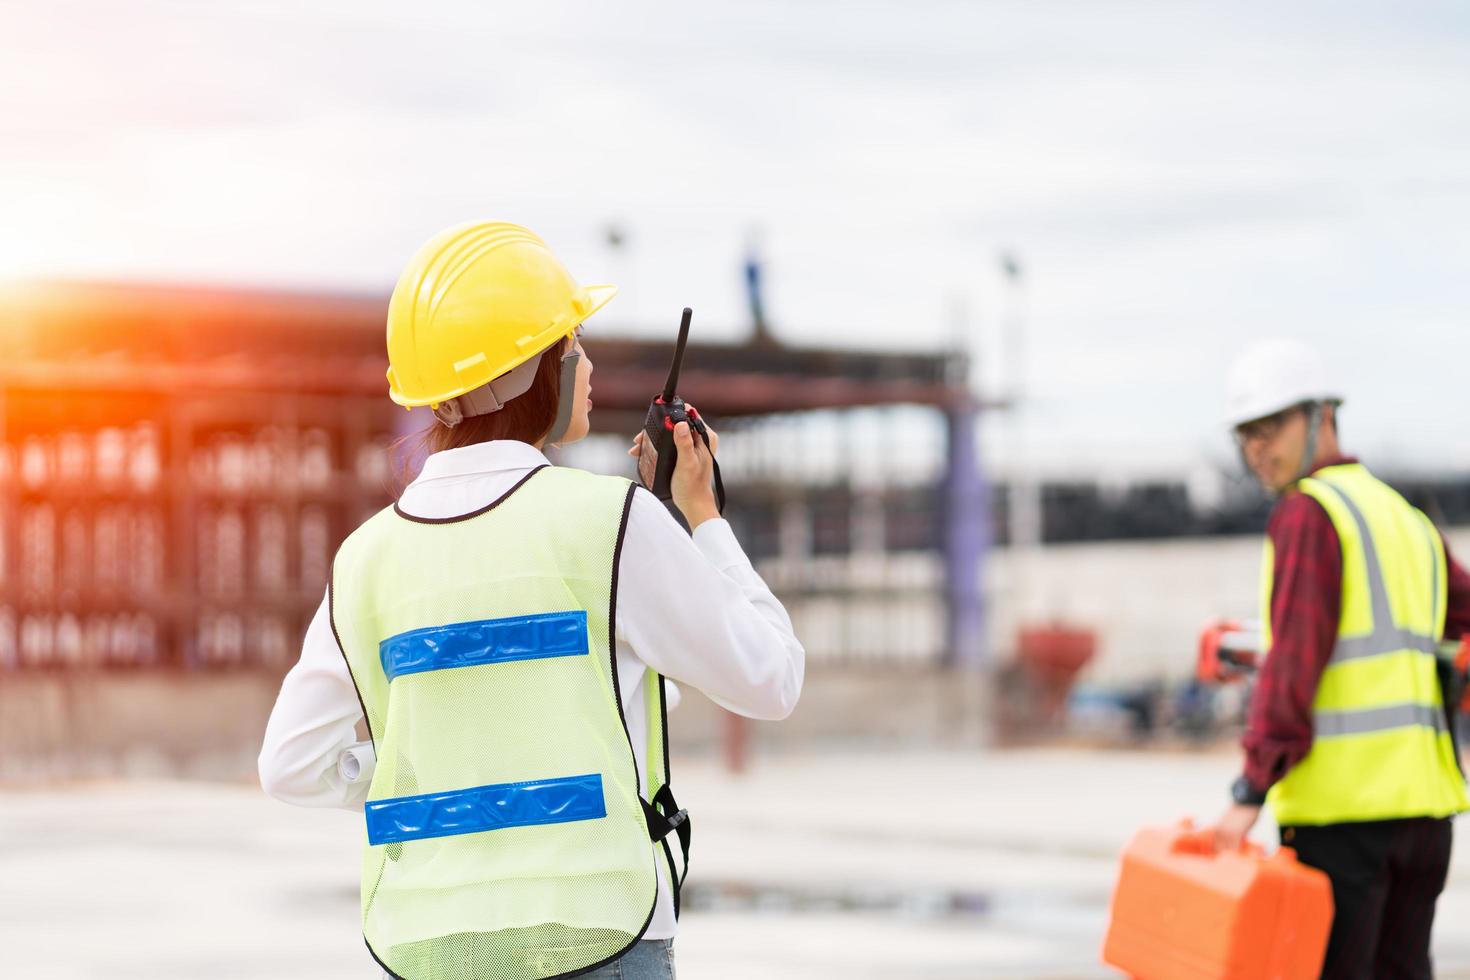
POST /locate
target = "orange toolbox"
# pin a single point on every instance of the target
(1183, 912)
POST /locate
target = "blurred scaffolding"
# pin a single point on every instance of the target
(177, 467)
(853, 485)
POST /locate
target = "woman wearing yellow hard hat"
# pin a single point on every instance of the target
(505, 630)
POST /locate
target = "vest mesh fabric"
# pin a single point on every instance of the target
(516, 902)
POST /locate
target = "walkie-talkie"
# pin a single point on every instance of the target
(668, 410)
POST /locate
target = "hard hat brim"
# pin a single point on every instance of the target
(1262, 410)
(600, 296)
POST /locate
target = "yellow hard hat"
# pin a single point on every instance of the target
(475, 302)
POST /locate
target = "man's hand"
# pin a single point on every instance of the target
(692, 482)
(1234, 824)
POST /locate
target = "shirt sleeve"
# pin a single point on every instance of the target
(696, 611)
(1306, 601)
(1457, 606)
(314, 720)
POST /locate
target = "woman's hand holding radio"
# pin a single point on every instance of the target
(693, 472)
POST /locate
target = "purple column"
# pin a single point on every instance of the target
(966, 541)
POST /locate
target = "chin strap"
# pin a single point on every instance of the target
(565, 399)
(1309, 454)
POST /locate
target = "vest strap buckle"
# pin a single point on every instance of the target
(664, 818)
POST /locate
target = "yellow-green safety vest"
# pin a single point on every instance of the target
(1381, 747)
(507, 836)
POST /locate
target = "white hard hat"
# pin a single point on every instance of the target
(1272, 375)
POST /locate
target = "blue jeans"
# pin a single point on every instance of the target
(651, 959)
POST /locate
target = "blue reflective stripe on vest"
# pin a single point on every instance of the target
(486, 641)
(470, 811)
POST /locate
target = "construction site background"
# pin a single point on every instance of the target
(965, 278)
(1146, 602)
(174, 490)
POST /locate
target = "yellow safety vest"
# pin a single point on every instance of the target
(1381, 748)
(507, 835)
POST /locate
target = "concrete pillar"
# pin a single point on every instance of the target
(795, 534)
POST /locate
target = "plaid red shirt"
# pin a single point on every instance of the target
(1306, 602)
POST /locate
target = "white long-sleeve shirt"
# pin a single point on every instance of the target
(724, 633)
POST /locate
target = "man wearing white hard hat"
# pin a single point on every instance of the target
(1347, 735)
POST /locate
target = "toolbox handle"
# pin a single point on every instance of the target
(1202, 842)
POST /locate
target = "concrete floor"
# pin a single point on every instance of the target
(811, 867)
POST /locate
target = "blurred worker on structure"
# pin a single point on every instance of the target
(1347, 735)
(505, 630)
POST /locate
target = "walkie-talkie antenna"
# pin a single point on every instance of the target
(678, 356)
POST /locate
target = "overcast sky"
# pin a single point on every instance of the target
(1175, 177)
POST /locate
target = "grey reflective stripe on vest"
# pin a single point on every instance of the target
(1434, 610)
(1364, 720)
(1386, 637)
(1382, 641)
